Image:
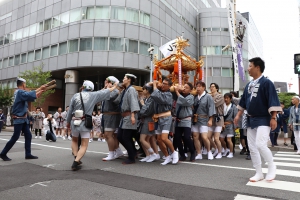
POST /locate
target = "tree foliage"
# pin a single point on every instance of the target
(286, 98)
(34, 79)
(6, 97)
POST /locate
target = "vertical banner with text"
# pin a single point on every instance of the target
(231, 23)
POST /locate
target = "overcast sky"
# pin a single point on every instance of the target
(278, 24)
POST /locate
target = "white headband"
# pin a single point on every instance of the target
(21, 79)
(130, 75)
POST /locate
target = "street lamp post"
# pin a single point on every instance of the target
(150, 50)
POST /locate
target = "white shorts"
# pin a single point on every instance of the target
(158, 132)
(110, 130)
(82, 134)
(215, 129)
(224, 135)
(199, 129)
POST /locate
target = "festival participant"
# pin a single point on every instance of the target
(204, 111)
(284, 116)
(59, 118)
(218, 120)
(260, 99)
(230, 112)
(294, 122)
(95, 127)
(8, 120)
(82, 104)
(183, 122)
(128, 103)
(38, 122)
(163, 118)
(2, 119)
(19, 114)
(111, 116)
(66, 131)
(146, 113)
(49, 124)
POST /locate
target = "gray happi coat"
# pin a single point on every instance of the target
(146, 113)
(90, 99)
(294, 118)
(219, 103)
(111, 121)
(205, 110)
(38, 121)
(163, 102)
(186, 104)
(231, 113)
(129, 103)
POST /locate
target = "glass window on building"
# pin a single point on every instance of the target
(144, 48)
(19, 34)
(46, 52)
(17, 59)
(156, 52)
(1, 40)
(40, 27)
(12, 37)
(204, 50)
(25, 32)
(226, 72)
(100, 43)
(38, 54)
(116, 44)
(64, 18)
(11, 61)
(131, 45)
(215, 29)
(1, 64)
(117, 13)
(23, 58)
(86, 44)
(88, 13)
(5, 62)
(145, 19)
(47, 25)
(210, 50)
(32, 30)
(30, 56)
(73, 45)
(53, 50)
(224, 29)
(6, 39)
(75, 15)
(62, 48)
(216, 71)
(132, 15)
(102, 12)
(55, 21)
(218, 50)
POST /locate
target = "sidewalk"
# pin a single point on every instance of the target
(280, 142)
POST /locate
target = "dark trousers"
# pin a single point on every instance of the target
(1, 124)
(273, 138)
(17, 131)
(40, 132)
(125, 138)
(186, 131)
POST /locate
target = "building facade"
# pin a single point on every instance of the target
(91, 39)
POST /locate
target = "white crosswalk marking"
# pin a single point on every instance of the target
(246, 197)
(286, 160)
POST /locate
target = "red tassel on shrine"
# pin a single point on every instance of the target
(176, 68)
(154, 74)
(200, 71)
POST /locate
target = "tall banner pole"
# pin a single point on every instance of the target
(179, 72)
(231, 22)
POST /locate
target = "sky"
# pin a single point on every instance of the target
(278, 24)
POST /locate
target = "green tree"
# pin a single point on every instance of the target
(6, 97)
(286, 98)
(34, 79)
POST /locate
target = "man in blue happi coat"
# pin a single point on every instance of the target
(261, 102)
(19, 114)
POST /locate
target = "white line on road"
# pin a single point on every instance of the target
(286, 152)
(287, 155)
(246, 197)
(275, 184)
(286, 164)
(41, 183)
(288, 159)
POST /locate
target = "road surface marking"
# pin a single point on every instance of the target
(41, 183)
(286, 164)
(287, 155)
(275, 184)
(246, 197)
(288, 159)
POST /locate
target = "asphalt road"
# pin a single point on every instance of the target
(50, 176)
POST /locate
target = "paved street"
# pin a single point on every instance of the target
(50, 177)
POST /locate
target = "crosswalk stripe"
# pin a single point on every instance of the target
(287, 152)
(275, 184)
(286, 164)
(287, 155)
(246, 197)
(287, 159)
(284, 172)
